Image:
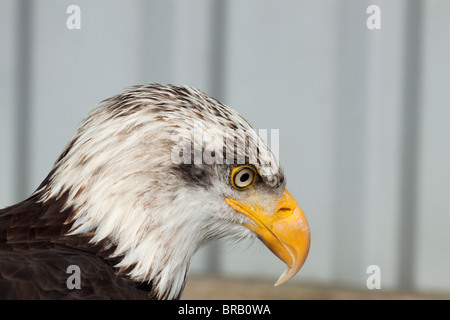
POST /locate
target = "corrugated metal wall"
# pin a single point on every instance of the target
(364, 115)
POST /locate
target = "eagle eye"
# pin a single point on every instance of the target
(243, 177)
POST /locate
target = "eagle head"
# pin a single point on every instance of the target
(159, 171)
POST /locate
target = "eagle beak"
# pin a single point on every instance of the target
(285, 233)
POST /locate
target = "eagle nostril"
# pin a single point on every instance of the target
(284, 212)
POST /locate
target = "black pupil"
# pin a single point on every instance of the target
(244, 177)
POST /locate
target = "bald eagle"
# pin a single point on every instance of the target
(136, 192)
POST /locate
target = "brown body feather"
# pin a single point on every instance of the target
(35, 253)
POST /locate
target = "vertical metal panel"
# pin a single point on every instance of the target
(349, 147)
(410, 142)
(8, 102)
(23, 87)
(218, 43)
(383, 143)
(156, 49)
(432, 227)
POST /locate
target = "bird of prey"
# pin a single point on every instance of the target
(136, 192)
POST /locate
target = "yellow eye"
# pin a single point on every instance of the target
(243, 177)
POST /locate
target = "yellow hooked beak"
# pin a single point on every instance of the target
(285, 233)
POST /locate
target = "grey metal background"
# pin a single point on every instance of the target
(364, 115)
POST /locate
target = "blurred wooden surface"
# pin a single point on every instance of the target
(216, 288)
